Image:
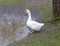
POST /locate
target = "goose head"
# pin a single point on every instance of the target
(27, 12)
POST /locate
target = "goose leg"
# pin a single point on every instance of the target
(33, 31)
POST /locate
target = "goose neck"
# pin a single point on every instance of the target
(29, 16)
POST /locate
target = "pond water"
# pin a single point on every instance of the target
(12, 28)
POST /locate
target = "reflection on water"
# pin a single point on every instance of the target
(12, 28)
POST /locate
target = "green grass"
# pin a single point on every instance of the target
(9, 2)
(46, 10)
(47, 13)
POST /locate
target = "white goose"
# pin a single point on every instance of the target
(35, 26)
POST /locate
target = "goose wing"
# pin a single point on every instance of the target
(34, 25)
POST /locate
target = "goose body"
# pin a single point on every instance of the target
(34, 25)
